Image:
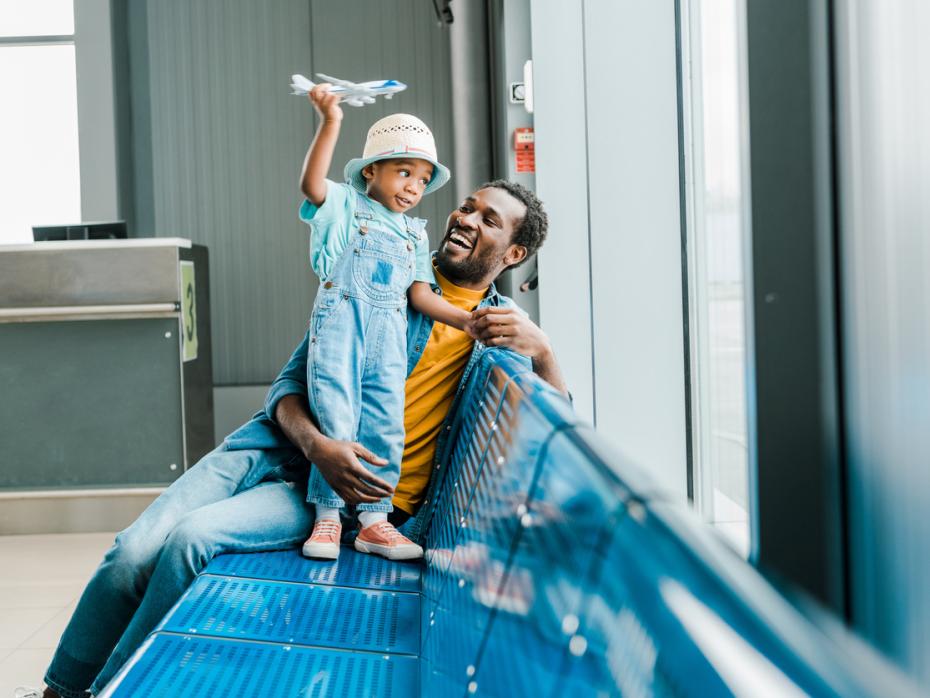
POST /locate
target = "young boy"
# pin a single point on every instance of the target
(370, 258)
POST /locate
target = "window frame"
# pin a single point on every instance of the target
(796, 457)
(93, 56)
(695, 252)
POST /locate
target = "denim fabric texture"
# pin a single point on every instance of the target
(247, 495)
(230, 501)
(262, 431)
(357, 355)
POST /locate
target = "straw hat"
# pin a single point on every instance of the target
(397, 136)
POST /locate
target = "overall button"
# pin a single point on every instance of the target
(328, 284)
(409, 247)
(363, 229)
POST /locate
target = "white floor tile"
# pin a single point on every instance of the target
(41, 578)
(18, 624)
(70, 557)
(23, 667)
(38, 594)
(49, 634)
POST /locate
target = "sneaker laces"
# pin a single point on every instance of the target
(387, 528)
(325, 527)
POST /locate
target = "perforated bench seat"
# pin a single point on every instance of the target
(278, 624)
(553, 568)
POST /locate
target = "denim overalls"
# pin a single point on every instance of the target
(357, 354)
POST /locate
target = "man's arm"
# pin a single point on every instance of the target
(291, 381)
(337, 461)
(508, 327)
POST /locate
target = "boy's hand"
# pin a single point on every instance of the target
(471, 326)
(325, 102)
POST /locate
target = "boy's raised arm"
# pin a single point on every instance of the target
(320, 154)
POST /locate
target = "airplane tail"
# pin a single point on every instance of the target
(301, 85)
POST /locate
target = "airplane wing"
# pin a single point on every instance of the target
(336, 81)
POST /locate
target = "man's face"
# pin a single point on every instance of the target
(398, 184)
(477, 245)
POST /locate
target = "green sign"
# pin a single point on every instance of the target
(188, 311)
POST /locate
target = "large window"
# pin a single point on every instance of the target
(716, 158)
(39, 167)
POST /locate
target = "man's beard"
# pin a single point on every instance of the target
(472, 270)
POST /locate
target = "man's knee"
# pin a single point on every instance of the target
(130, 560)
(191, 543)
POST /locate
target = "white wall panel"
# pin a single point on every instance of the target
(562, 184)
(606, 119)
(636, 269)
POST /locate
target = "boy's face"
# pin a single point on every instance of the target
(398, 184)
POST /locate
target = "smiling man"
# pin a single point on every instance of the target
(248, 494)
(496, 228)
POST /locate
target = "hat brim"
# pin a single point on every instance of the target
(353, 170)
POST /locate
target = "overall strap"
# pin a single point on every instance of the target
(416, 228)
(362, 209)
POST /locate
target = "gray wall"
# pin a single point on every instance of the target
(218, 142)
(511, 47)
(884, 109)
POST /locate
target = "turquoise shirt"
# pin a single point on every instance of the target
(332, 225)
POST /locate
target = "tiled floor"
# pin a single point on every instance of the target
(41, 578)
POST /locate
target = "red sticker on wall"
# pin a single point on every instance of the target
(524, 148)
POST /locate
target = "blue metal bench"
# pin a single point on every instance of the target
(552, 568)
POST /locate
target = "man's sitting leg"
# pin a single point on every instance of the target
(270, 516)
(113, 595)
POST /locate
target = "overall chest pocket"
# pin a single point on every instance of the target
(382, 270)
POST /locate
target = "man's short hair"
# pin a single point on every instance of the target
(531, 233)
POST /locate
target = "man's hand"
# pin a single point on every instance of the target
(337, 461)
(339, 464)
(325, 102)
(508, 327)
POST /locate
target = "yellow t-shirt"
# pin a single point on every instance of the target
(430, 390)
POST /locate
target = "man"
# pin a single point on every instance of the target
(249, 494)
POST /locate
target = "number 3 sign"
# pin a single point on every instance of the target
(188, 312)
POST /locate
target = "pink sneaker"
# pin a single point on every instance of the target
(323, 543)
(385, 540)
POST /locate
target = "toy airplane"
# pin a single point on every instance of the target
(356, 94)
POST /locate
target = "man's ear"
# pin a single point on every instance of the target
(514, 255)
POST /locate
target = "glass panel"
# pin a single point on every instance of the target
(39, 169)
(36, 17)
(717, 291)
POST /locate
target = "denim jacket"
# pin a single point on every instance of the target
(262, 432)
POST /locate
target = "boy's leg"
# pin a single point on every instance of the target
(381, 429)
(381, 414)
(114, 592)
(271, 516)
(334, 364)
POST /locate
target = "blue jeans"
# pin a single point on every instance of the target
(230, 501)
